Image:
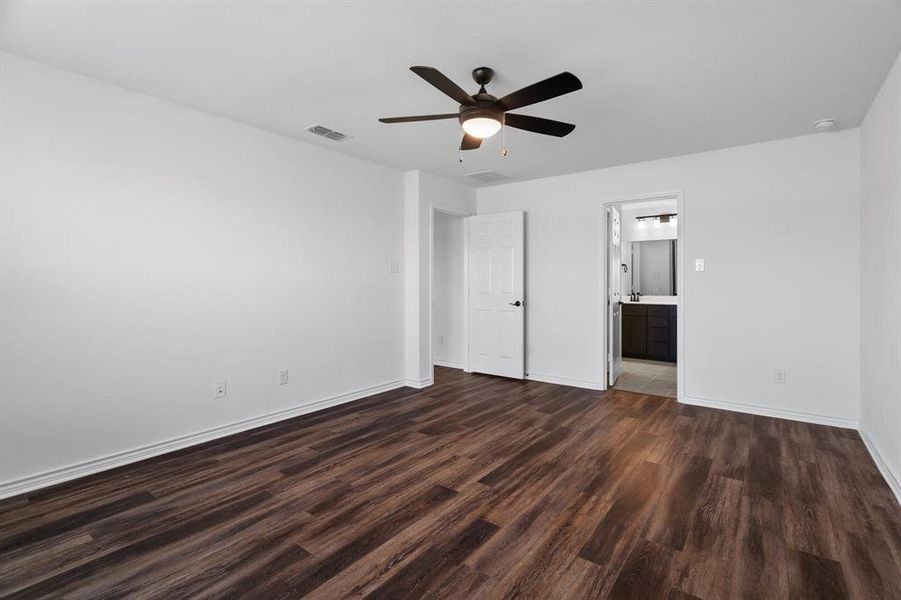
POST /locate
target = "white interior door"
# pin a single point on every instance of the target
(496, 302)
(614, 297)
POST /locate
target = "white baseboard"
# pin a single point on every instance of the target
(882, 465)
(777, 413)
(419, 383)
(52, 477)
(450, 364)
(589, 385)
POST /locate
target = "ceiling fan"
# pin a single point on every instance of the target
(482, 115)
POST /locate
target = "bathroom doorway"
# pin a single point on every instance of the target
(641, 301)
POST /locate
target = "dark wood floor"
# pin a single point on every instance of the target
(477, 487)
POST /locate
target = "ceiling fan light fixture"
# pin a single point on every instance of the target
(482, 115)
(481, 127)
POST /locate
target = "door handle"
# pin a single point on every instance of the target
(517, 303)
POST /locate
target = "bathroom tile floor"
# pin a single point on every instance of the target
(648, 377)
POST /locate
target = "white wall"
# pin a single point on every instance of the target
(447, 292)
(778, 224)
(148, 250)
(423, 193)
(880, 264)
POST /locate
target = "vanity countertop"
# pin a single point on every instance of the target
(669, 300)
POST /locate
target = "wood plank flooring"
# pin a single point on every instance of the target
(477, 487)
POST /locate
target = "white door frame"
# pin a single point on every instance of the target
(455, 212)
(679, 196)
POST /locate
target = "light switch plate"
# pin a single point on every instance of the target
(282, 376)
(699, 264)
(219, 389)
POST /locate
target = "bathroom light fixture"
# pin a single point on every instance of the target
(657, 220)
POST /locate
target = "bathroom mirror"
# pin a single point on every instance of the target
(650, 267)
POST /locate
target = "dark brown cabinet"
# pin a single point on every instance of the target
(649, 331)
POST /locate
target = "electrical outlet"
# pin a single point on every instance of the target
(219, 389)
(779, 376)
(700, 265)
(394, 266)
(282, 376)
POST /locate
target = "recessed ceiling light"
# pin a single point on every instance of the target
(824, 124)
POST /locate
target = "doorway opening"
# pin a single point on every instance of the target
(448, 324)
(643, 301)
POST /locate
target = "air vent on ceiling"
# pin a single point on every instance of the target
(335, 136)
(488, 176)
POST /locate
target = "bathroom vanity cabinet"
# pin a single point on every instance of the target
(649, 331)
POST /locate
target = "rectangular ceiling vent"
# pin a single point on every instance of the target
(335, 136)
(488, 176)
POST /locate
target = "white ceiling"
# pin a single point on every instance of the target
(660, 79)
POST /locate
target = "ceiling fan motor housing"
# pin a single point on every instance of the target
(484, 111)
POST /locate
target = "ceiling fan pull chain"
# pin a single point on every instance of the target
(503, 140)
(460, 160)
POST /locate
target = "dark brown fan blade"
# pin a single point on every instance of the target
(538, 125)
(470, 142)
(437, 79)
(419, 118)
(551, 87)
